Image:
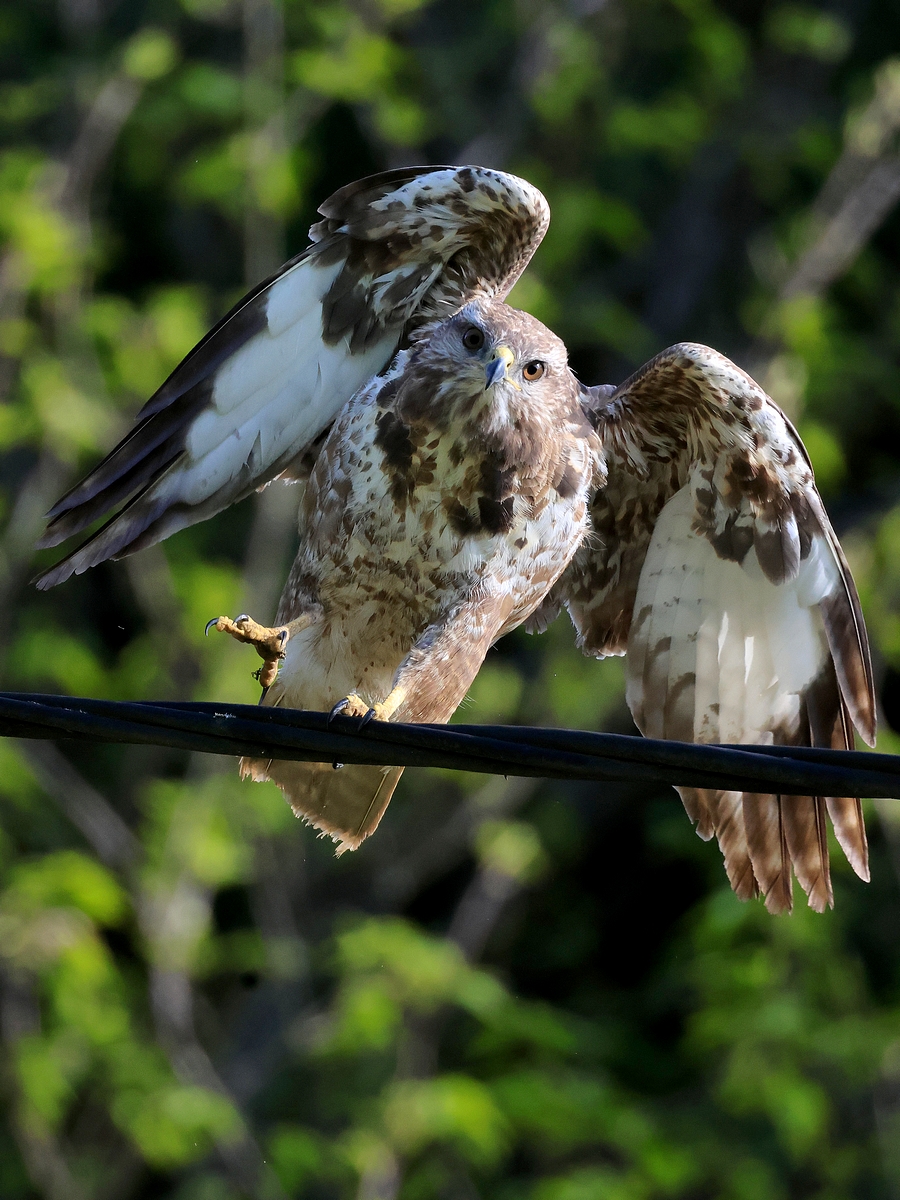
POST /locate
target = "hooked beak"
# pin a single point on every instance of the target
(498, 367)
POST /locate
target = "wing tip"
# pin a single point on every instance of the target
(819, 901)
(780, 897)
(862, 871)
(49, 539)
(60, 572)
(45, 580)
(867, 725)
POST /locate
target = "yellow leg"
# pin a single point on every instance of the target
(354, 706)
(268, 642)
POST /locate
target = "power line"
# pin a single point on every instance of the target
(257, 732)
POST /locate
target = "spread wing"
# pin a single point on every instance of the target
(714, 565)
(392, 253)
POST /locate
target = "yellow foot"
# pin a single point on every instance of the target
(269, 643)
(354, 706)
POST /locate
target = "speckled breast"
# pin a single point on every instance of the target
(399, 533)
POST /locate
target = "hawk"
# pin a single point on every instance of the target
(457, 481)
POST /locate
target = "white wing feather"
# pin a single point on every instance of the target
(393, 253)
(717, 652)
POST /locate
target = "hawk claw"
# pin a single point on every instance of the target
(268, 643)
(353, 706)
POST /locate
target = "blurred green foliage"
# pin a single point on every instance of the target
(514, 989)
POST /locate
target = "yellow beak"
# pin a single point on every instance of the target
(498, 367)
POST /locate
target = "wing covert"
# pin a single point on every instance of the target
(392, 253)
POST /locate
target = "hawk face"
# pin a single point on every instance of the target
(494, 363)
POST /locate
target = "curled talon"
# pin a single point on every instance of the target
(354, 706)
(269, 643)
(209, 625)
(350, 706)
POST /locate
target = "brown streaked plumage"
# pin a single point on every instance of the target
(460, 491)
(393, 253)
(716, 568)
(439, 514)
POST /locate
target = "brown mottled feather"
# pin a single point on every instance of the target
(806, 837)
(710, 500)
(768, 846)
(437, 517)
(720, 815)
(393, 254)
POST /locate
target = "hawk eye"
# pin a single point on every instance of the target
(473, 338)
(533, 370)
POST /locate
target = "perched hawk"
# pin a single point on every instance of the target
(458, 481)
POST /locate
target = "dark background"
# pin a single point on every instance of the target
(515, 989)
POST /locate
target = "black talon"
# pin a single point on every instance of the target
(282, 637)
(369, 716)
(242, 617)
(209, 625)
(337, 710)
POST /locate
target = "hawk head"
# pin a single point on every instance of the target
(490, 359)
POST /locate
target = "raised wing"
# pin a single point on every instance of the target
(393, 253)
(716, 568)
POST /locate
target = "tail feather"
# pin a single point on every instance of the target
(345, 804)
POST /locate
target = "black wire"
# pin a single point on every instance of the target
(257, 732)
